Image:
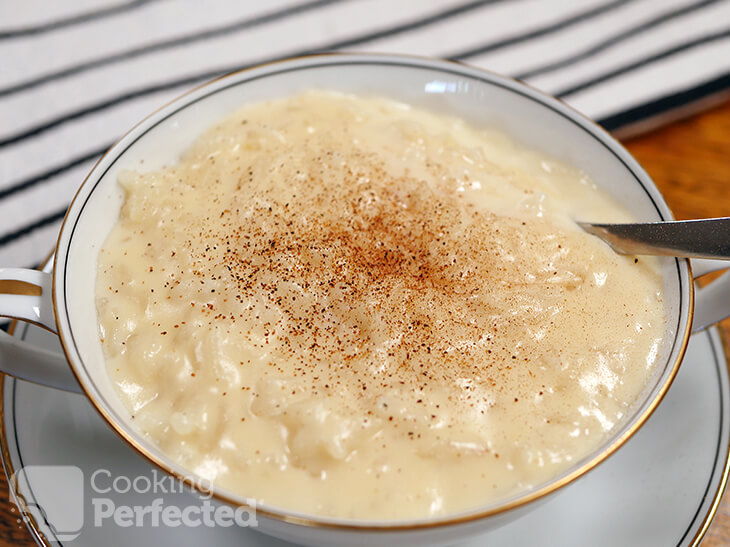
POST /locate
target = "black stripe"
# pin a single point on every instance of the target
(245, 24)
(613, 40)
(665, 104)
(200, 77)
(547, 29)
(25, 230)
(691, 44)
(72, 20)
(43, 127)
(53, 172)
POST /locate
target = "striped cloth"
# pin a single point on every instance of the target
(75, 75)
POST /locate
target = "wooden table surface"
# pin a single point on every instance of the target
(690, 162)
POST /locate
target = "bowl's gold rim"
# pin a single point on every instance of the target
(328, 523)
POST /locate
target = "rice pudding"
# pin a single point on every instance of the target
(351, 307)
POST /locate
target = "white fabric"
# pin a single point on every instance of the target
(76, 75)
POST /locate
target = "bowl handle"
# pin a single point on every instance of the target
(712, 302)
(26, 295)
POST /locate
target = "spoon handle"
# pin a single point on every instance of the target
(707, 238)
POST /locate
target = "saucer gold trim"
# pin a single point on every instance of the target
(7, 461)
(717, 499)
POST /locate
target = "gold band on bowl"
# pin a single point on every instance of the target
(682, 339)
(671, 369)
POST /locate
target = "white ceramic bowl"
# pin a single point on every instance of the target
(483, 99)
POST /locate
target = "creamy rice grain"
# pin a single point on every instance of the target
(350, 307)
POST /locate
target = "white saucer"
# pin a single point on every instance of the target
(662, 488)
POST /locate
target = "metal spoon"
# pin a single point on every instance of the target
(706, 238)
